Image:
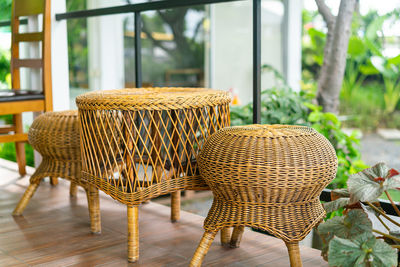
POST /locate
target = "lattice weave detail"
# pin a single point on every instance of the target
(140, 143)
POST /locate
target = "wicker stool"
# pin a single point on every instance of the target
(55, 135)
(141, 143)
(268, 177)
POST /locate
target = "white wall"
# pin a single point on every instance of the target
(231, 45)
(106, 48)
(291, 29)
(59, 57)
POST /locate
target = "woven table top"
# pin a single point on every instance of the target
(159, 98)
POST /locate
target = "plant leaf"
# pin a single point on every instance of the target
(343, 252)
(383, 254)
(360, 250)
(370, 183)
(356, 46)
(348, 226)
(336, 204)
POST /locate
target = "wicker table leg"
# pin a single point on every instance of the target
(294, 254)
(225, 236)
(236, 236)
(73, 189)
(175, 206)
(133, 233)
(25, 199)
(53, 181)
(202, 249)
(94, 209)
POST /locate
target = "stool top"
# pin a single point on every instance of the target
(161, 98)
(270, 131)
(269, 147)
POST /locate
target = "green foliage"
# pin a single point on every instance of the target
(363, 250)
(5, 14)
(7, 151)
(5, 75)
(312, 53)
(349, 158)
(77, 46)
(390, 71)
(370, 108)
(5, 10)
(279, 105)
(366, 108)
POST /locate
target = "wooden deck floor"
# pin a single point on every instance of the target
(54, 231)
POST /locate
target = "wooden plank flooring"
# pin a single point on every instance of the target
(54, 231)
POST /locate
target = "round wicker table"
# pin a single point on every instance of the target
(268, 177)
(141, 143)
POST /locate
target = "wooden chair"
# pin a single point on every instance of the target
(17, 101)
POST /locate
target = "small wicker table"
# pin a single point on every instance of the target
(268, 177)
(141, 143)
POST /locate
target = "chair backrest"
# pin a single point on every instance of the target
(23, 8)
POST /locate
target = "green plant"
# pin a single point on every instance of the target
(353, 78)
(349, 158)
(279, 105)
(365, 108)
(390, 71)
(7, 151)
(349, 240)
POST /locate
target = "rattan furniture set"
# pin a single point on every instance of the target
(137, 144)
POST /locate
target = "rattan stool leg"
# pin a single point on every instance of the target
(175, 206)
(94, 209)
(236, 236)
(294, 254)
(133, 233)
(53, 181)
(25, 199)
(225, 236)
(73, 189)
(202, 249)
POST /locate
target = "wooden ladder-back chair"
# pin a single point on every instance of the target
(17, 101)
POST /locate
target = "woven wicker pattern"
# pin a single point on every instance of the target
(55, 135)
(268, 177)
(142, 143)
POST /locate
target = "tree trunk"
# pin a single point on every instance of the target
(337, 41)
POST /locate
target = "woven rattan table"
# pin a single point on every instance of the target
(141, 143)
(268, 177)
